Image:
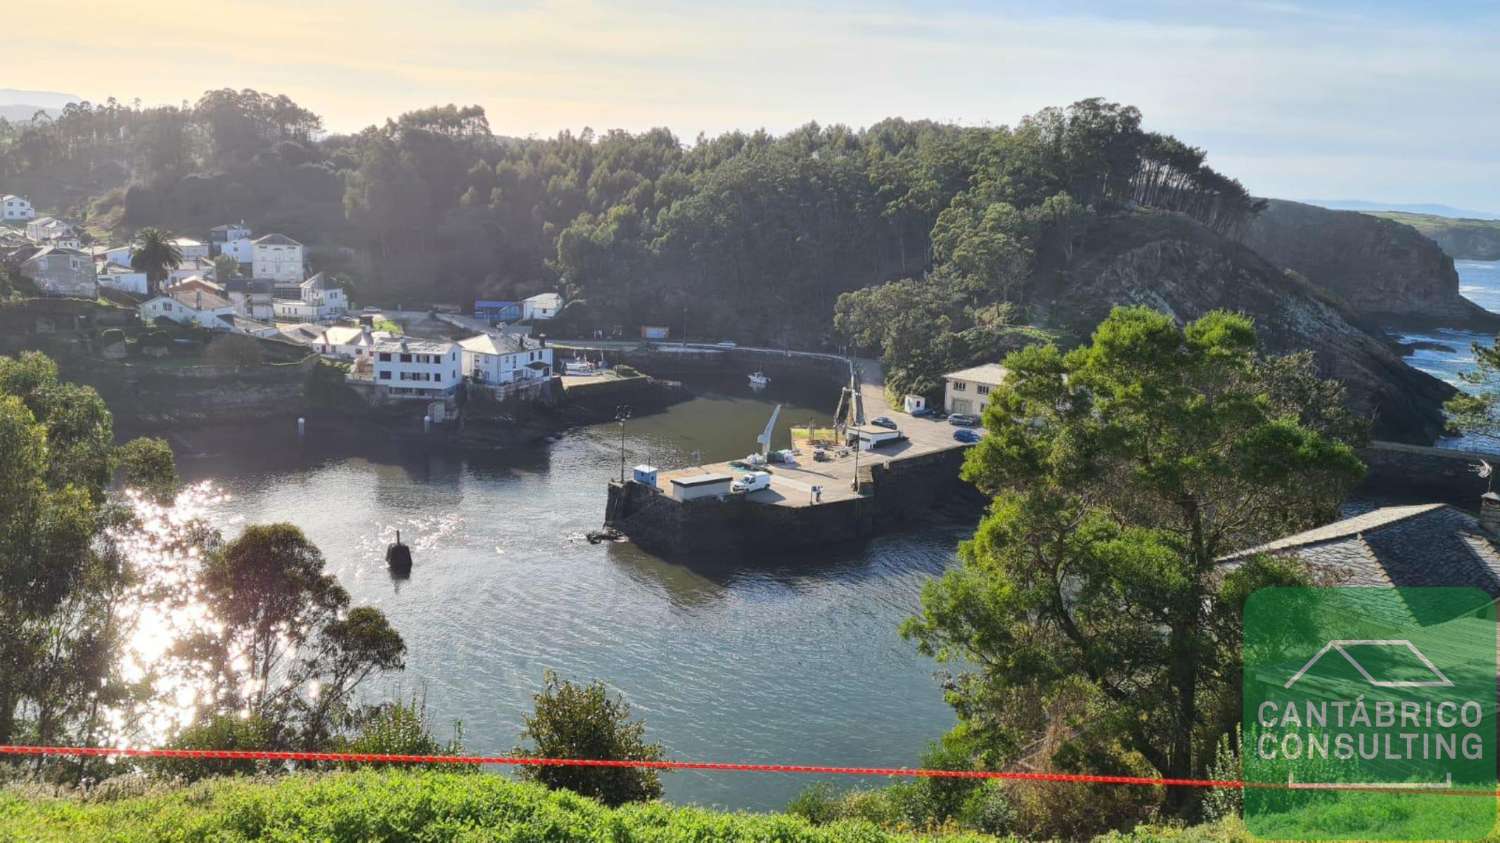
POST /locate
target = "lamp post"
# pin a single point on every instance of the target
(622, 412)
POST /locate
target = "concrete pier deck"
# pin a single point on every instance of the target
(791, 485)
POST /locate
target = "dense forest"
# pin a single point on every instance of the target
(744, 235)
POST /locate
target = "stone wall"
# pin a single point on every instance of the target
(1438, 474)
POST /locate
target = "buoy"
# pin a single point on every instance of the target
(398, 557)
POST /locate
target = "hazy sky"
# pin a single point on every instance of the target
(1381, 100)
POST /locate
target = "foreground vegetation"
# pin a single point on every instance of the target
(389, 805)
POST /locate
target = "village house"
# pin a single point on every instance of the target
(498, 359)
(413, 369)
(193, 282)
(191, 249)
(277, 257)
(318, 299)
(251, 297)
(348, 342)
(968, 391)
(51, 230)
(541, 306)
(119, 255)
(190, 306)
(60, 271)
(121, 278)
(220, 238)
(14, 208)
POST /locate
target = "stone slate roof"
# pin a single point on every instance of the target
(1421, 545)
(988, 373)
(495, 344)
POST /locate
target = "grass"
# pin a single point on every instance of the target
(387, 805)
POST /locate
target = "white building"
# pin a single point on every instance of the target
(277, 257)
(968, 390)
(327, 296)
(221, 235)
(119, 255)
(251, 297)
(13, 207)
(50, 228)
(541, 306)
(408, 368)
(190, 306)
(497, 359)
(201, 267)
(349, 342)
(123, 279)
(60, 271)
(242, 250)
(191, 249)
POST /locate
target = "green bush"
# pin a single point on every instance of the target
(399, 728)
(371, 806)
(584, 721)
(218, 732)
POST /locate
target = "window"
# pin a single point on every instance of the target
(960, 386)
(984, 389)
(437, 376)
(385, 375)
(406, 358)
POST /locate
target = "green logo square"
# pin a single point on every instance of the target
(1369, 713)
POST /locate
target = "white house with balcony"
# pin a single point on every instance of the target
(498, 359)
(968, 391)
(15, 208)
(277, 257)
(348, 342)
(405, 368)
(191, 249)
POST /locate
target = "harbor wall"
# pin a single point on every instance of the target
(896, 495)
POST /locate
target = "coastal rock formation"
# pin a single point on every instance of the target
(1462, 239)
(1173, 264)
(1385, 271)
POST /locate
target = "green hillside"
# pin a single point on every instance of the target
(1462, 239)
(397, 806)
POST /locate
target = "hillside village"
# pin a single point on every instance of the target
(273, 296)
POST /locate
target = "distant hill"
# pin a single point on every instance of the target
(38, 99)
(1425, 209)
(1463, 239)
(17, 106)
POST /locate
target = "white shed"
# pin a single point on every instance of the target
(695, 486)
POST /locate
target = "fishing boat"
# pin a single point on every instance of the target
(758, 380)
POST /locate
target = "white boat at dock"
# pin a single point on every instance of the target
(758, 380)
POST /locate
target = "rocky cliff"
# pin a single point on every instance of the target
(1385, 271)
(1462, 239)
(1173, 264)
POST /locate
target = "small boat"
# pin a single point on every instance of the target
(398, 558)
(758, 380)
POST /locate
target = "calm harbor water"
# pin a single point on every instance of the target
(1479, 281)
(794, 660)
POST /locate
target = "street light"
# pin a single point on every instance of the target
(622, 412)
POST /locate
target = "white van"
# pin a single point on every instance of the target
(752, 482)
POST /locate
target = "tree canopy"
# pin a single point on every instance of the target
(1089, 622)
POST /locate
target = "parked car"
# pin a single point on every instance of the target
(964, 420)
(883, 421)
(967, 436)
(725, 344)
(752, 482)
(923, 412)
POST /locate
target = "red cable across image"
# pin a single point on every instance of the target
(518, 761)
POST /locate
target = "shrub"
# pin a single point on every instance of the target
(583, 721)
(218, 732)
(400, 728)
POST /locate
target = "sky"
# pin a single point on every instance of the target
(1379, 100)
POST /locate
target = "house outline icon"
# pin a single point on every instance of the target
(1338, 645)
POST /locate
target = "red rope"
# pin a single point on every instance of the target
(513, 761)
(508, 760)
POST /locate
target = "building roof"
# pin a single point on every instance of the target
(47, 251)
(13, 196)
(414, 346)
(345, 335)
(198, 299)
(186, 241)
(988, 373)
(545, 299)
(275, 240)
(320, 281)
(1430, 544)
(495, 343)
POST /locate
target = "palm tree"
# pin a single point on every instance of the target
(156, 255)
